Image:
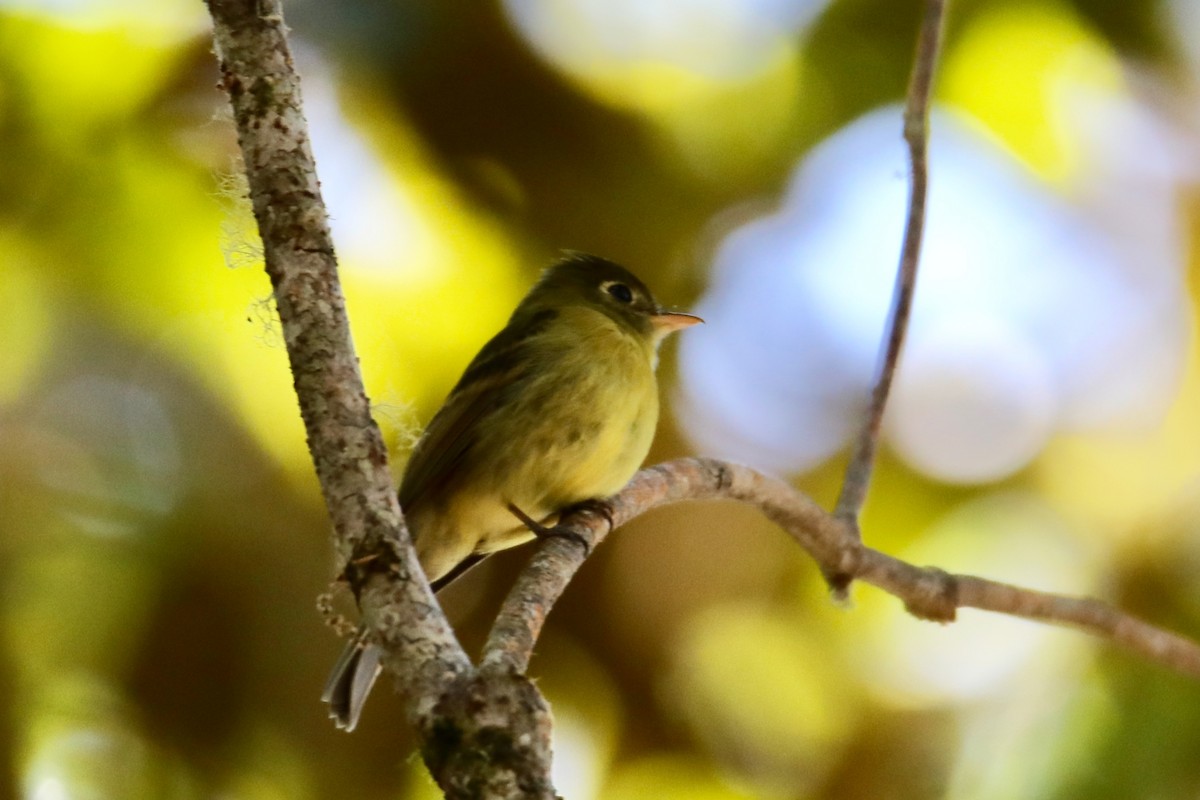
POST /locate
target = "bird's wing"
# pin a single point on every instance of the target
(489, 382)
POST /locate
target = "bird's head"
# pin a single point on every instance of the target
(582, 279)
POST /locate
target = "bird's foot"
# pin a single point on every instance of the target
(595, 505)
(557, 531)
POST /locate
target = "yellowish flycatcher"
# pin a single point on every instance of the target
(559, 408)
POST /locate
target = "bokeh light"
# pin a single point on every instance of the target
(1003, 256)
(956, 422)
(754, 689)
(716, 39)
(1025, 94)
(85, 744)
(26, 327)
(721, 79)
(587, 716)
(1034, 743)
(149, 20)
(1002, 537)
(671, 778)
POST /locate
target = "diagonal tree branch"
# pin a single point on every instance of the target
(916, 134)
(482, 735)
(927, 592)
(347, 449)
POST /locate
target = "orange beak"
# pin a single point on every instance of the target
(670, 321)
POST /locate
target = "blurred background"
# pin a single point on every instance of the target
(162, 538)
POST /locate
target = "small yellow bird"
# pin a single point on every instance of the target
(559, 408)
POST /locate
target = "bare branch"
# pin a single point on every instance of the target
(347, 449)
(916, 134)
(927, 592)
(483, 735)
(517, 626)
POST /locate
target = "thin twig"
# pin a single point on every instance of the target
(927, 593)
(916, 134)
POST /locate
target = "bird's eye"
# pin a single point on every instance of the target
(620, 291)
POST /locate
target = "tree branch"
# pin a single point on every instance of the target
(916, 133)
(482, 735)
(927, 592)
(347, 449)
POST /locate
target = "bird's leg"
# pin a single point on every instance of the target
(542, 532)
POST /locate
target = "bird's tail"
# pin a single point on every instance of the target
(351, 680)
(357, 668)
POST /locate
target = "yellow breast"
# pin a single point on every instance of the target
(588, 415)
(614, 404)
